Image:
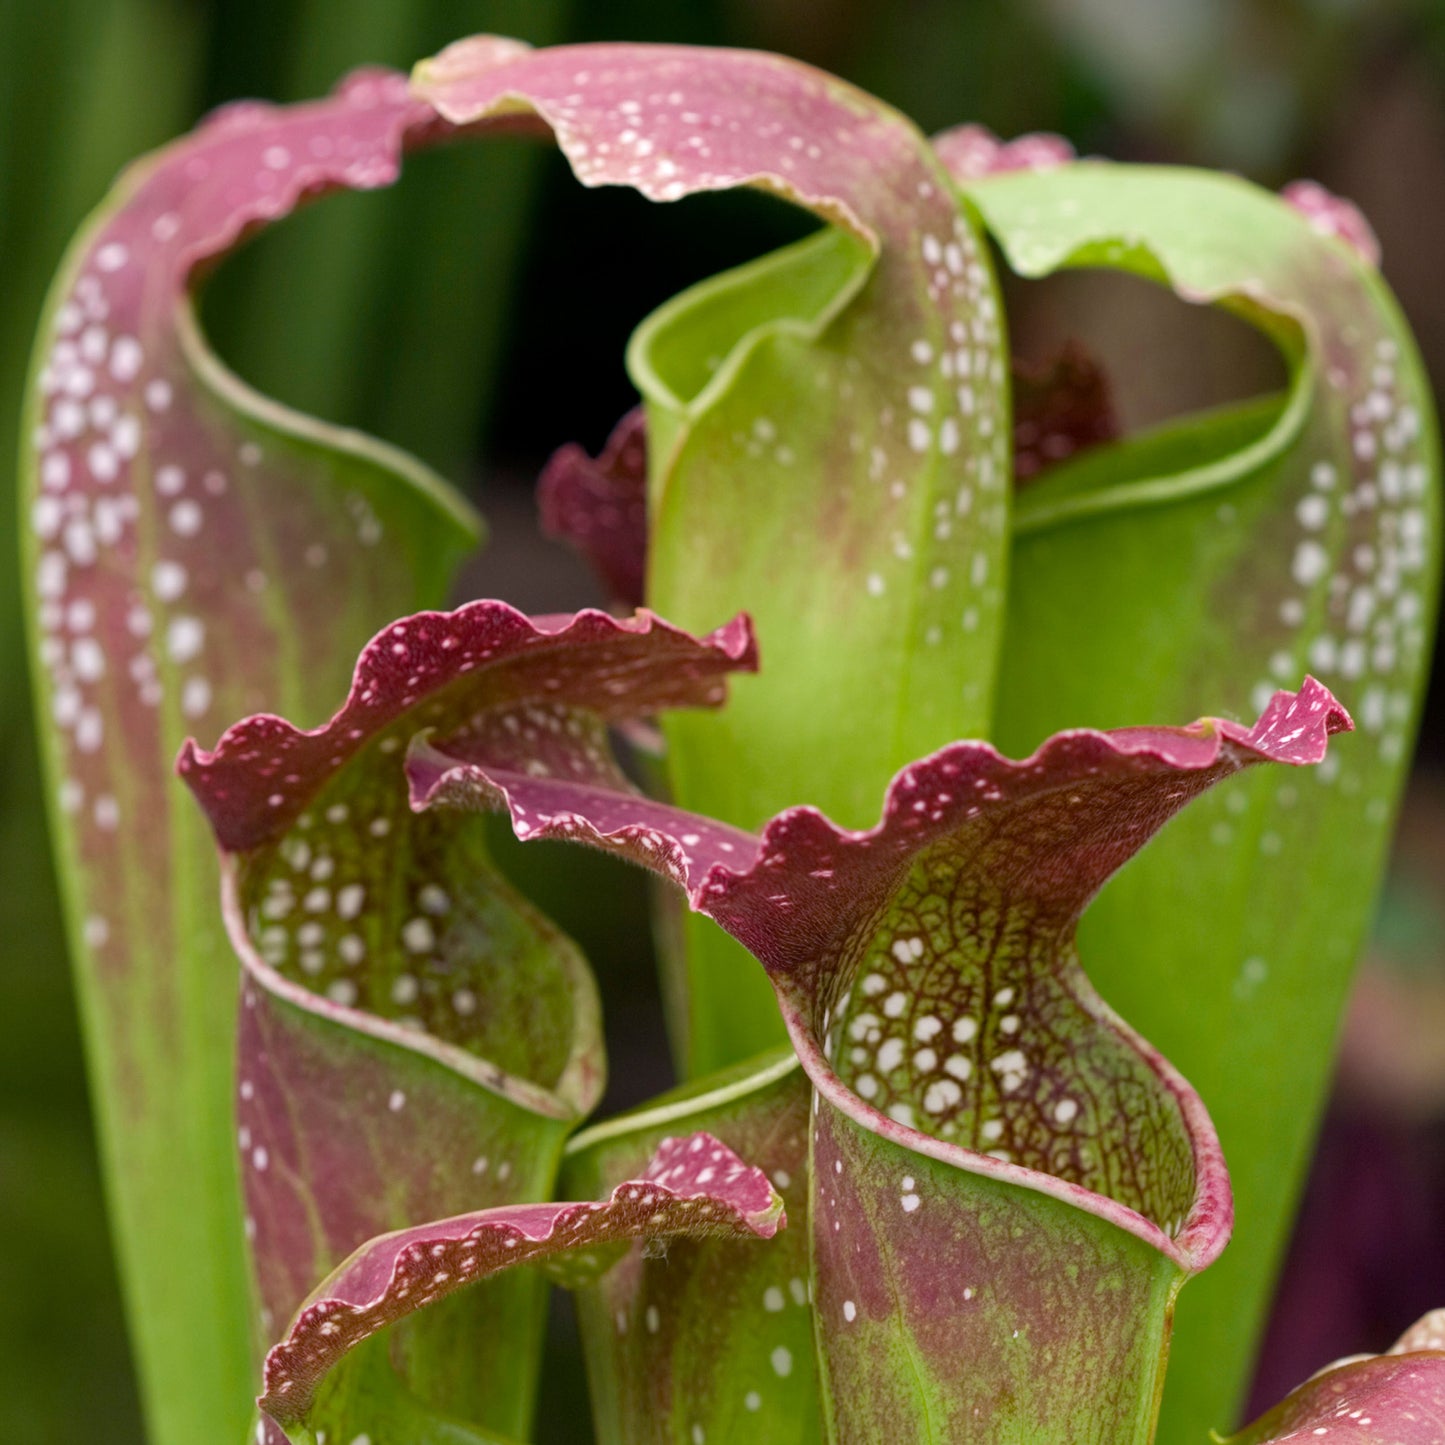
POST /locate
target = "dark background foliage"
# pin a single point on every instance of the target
(477, 314)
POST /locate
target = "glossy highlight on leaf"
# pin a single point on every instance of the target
(194, 552)
(1397, 1398)
(693, 1186)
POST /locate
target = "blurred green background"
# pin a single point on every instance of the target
(477, 315)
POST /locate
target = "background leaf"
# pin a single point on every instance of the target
(179, 529)
(1203, 565)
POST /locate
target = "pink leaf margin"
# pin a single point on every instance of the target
(1333, 215)
(973, 151)
(260, 775)
(263, 772)
(693, 1186)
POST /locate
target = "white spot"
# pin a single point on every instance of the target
(89, 731)
(433, 899)
(169, 580)
(87, 657)
(185, 517)
(782, 1359)
(195, 696)
(418, 936)
(185, 637)
(126, 357)
(1311, 562)
(79, 542)
(396, 1102)
(850, 1311)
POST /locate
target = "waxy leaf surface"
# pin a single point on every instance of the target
(194, 552)
(973, 1088)
(828, 435)
(710, 1338)
(1202, 565)
(1397, 1398)
(415, 1037)
(693, 1186)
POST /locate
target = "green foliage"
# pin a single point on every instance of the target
(1202, 565)
(828, 451)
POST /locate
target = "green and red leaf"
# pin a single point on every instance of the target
(1202, 564)
(195, 552)
(828, 434)
(694, 1186)
(416, 1037)
(708, 1338)
(972, 1085)
(1397, 1398)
